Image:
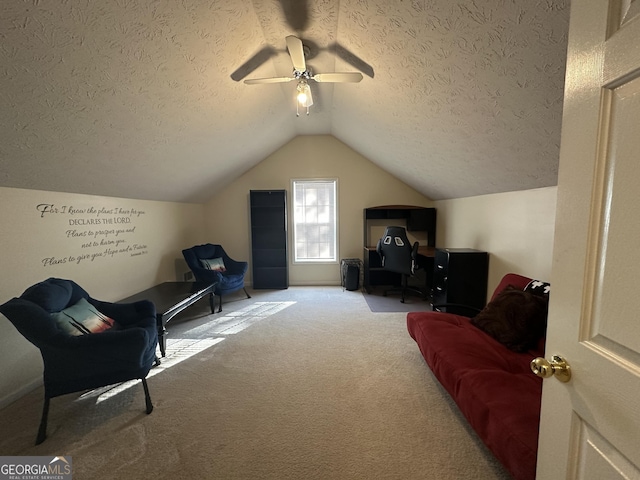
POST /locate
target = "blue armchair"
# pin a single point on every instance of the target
(210, 263)
(122, 348)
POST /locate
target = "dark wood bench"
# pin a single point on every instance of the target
(170, 298)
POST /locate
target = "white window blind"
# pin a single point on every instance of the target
(314, 220)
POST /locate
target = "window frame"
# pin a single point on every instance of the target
(306, 261)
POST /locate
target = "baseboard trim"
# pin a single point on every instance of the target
(21, 392)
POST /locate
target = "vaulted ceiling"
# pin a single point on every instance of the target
(145, 98)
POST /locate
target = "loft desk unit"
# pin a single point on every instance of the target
(170, 298)
(420, 223)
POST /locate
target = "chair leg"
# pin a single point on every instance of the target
(247, 293)
(405, 289)
(147, 397)
(42, 430)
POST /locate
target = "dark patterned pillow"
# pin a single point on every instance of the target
(538, 287)
(515, 318)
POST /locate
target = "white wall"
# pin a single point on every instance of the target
(361, 184)
(516, 228)
(112, 247)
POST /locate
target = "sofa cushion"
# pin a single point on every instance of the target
(82, 319)
(513, 279)
(52, 294)
(492, 385)
(504, 409)
(451, 346)
(515, 318)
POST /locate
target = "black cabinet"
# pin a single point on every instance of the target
(269, 239)
(416, 219)
(460, 276)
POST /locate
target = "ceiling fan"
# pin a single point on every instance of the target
(302, 75)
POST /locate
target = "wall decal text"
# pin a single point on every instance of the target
(95, 232)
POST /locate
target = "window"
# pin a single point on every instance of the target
(314, 220)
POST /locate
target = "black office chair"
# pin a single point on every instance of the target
(399, 256)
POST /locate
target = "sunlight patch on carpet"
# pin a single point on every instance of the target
(180, 351)
(235, 322)
(197, 340)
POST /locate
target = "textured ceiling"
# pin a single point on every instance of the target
(145, 99)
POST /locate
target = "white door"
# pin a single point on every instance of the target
(590, 426)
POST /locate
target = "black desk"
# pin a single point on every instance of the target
(420, 220)
(170, 298)
(375, 275)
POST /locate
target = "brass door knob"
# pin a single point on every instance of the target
(557, 367)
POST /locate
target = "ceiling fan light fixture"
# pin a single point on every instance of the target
(303, 96)
(302, 74)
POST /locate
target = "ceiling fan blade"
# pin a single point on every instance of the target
(255, 81)
(262, 56)
(349, 77)
(294, 45)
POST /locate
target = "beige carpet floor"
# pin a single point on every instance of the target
(303, 383)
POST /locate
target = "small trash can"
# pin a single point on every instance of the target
(350, 273)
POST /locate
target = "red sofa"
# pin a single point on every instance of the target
(492, 385)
